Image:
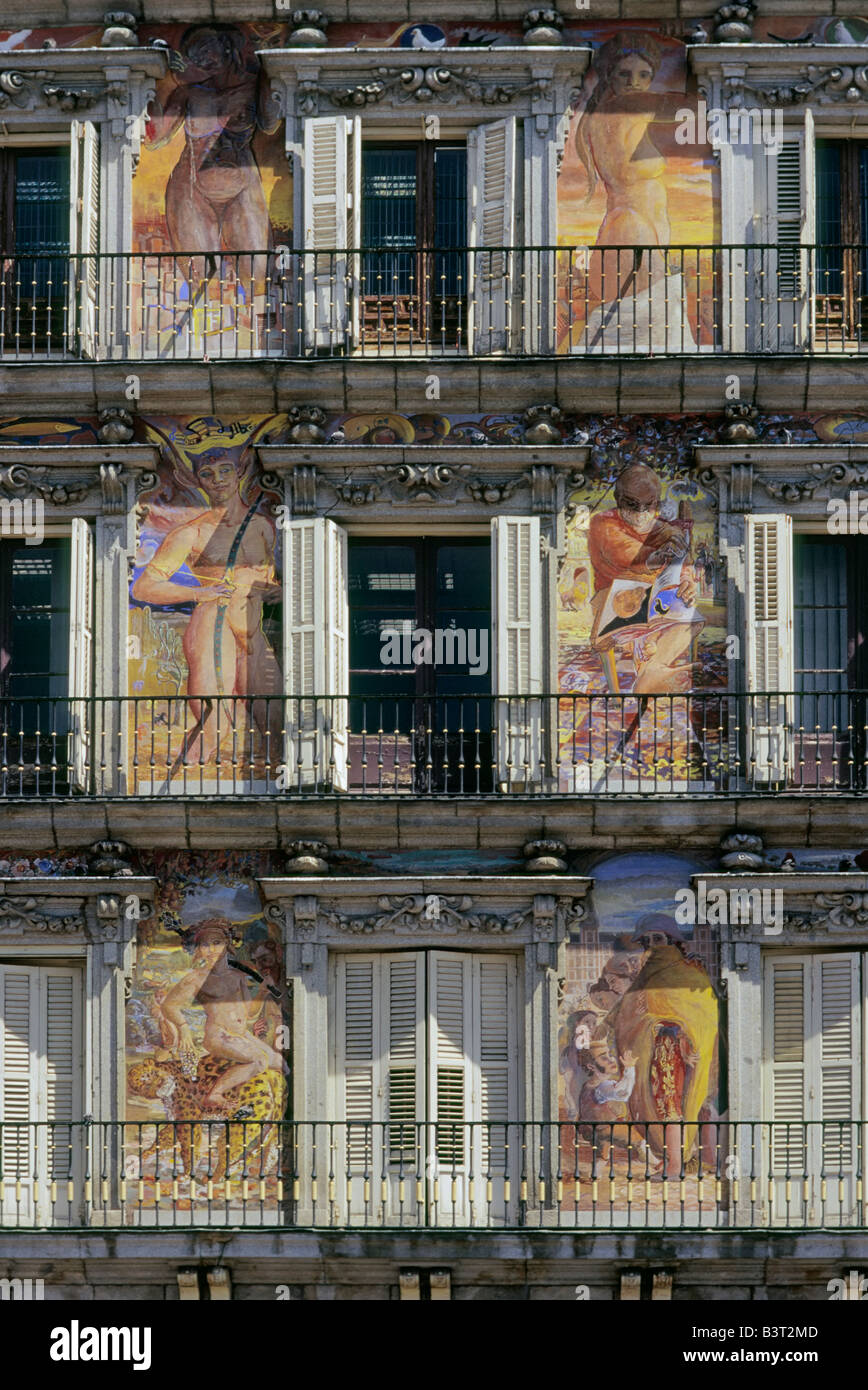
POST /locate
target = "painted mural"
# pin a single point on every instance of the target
(207, 1033)
(205, 604)
(640, 1035)
(629, 198)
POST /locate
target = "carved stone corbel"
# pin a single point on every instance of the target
(304, 490)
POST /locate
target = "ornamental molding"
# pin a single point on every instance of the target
(21, 915)
(95, 908)
(466, 83)
(830, 905)
(430, 83)
(471, 907)
(87, 480)
(342, 481)
(759, 477)
(69, 81)
(781, 75)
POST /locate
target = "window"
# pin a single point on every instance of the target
(34, 620)
(425, 1047)
(414, 199)
(421, 204)
(420, 640)
(361, 731)
(830, 653)
(46, 662)
(40, 1078)
(34, 235)
(842, 237)
(813, 1021)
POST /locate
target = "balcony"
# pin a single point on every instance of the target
(707, 743)
(159, 1175)
(448, 303)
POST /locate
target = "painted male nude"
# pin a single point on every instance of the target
(229, 548)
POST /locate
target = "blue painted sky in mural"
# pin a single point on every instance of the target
(628, 885)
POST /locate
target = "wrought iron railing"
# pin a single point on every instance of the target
(568, 744)
(382, 302)
(494, 1174)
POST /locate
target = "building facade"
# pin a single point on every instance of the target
(434, 706)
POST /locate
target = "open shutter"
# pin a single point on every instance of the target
(813, 1083)
(770, 676)
(517, 638)
(316, 654)
(491, 202)
(85, 270)
(326, 230)
(786, 268)
(80, 755)
(40, 1075)
(354, 224)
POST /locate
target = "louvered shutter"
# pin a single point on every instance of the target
(326, 228)
(517, 639)
(40, 1074)
(379, 1066)
(835, 1035)
(790, 226)
(813, 1082)
(450, 1054)
(769, 612)
(316, 654)
(85, 269)
(491, 203)
(19, 1052)
(81, 656)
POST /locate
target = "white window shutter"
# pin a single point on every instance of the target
(518, 652)
(380, 1058)
(491, 203)
(769, 614)
(785, 271)
(354, 223)
(316, 653)
(81, 655)
(495, 1043)
(813, 1075)
(40, 1077)
(86, 272)
(450, 1061)
(326, 229)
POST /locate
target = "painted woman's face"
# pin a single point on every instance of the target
(633, 74)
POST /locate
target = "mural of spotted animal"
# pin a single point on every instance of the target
(248, 1128)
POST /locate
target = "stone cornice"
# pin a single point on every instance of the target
(75, 910)
(54, 85)
(77, 479)
(419, 482)
(829, 906)
(518, 910)
(465, 84)
(801, 477)
(789, 75)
